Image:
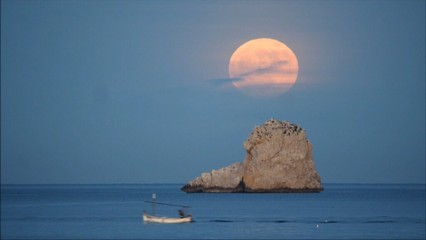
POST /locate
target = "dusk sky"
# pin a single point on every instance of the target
(139, 91)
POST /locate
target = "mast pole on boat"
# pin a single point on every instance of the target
(154, 199)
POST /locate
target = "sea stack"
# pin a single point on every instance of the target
(279, 159)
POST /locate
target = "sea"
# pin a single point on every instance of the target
(341, 211)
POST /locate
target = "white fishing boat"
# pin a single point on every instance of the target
(156, 219)
(147, 218)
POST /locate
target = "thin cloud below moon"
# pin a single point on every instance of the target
(275, 67)
(221, 81)
(265, 68)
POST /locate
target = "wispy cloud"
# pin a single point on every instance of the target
(275, 67)
(224, 81)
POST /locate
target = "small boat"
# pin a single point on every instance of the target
(156, 219)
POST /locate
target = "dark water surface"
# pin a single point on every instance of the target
(341, 211)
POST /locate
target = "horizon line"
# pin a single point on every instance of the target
(157, 183)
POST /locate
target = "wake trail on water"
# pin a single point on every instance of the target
(379, 220)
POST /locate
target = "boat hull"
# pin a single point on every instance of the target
(155, 219)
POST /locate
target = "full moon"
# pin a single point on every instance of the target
(263, 67)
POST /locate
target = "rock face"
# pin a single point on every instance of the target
(227, 179)
(279, 159)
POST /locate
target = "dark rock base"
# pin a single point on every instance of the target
(200, 189)
(242, 189)
(285, 190)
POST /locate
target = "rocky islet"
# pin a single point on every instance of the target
(279, 159)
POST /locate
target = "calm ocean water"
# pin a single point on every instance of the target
(114, 212)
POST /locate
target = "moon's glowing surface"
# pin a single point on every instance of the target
(263, 67)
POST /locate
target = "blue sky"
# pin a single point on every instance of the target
(132, 91)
